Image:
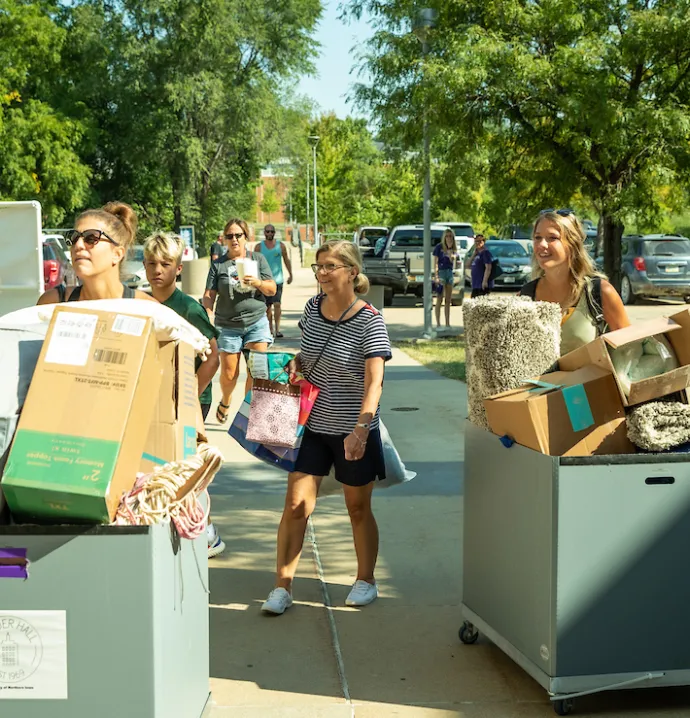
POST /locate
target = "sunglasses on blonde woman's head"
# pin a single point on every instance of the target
(560, 212)
(91, 237)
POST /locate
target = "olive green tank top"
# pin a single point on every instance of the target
(578, 328)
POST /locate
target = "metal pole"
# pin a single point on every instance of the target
(306, 222)
(316, 215)
(428, 331)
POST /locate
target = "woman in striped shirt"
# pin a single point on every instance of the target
(343, 350)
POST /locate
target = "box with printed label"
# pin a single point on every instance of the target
(173, 432)
(576, 413)
(84, 424)
(674, 330)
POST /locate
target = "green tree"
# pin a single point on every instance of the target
(357, 183)
(182, 98)
(270, 203)
(39, 145)
(564, 100)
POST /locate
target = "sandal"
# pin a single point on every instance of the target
(222, 416)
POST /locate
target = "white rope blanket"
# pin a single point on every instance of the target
(171, 493)
(659, 425)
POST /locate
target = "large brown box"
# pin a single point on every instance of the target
(87, 414)
(676, 329)
(576, 413)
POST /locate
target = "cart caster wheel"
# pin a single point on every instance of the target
(468, 633)
(563, 707)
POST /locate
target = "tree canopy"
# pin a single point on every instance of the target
(547, 103)
(171, 105)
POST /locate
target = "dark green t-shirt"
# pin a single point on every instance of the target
(196, 315)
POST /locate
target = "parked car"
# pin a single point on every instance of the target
(133, 273)
(464, 235)
(655, 265)
(406, 243)
(57, 269)
(513, 259)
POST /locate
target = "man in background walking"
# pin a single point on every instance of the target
(276, 253)
(218, 249)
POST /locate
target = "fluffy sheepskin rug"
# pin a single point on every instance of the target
(507, 340)
(659, 425)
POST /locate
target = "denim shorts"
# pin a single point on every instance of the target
(445, 276)
(233, 341)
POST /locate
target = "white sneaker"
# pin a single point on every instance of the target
(362, 593)
(216, 545)
(278, 601)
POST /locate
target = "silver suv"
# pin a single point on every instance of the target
(655, 265)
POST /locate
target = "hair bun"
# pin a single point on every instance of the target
(125, 214)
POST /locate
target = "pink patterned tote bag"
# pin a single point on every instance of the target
(273, 413)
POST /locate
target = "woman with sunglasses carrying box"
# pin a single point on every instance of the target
(98, 245)
(343, 349)
(240, 307)
(565, 274)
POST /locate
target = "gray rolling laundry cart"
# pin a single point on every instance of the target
(111, 621)
(577, 568)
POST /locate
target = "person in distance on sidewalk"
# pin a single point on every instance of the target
(276, 253)
(481, 268)
(163, 263)
(343, 349)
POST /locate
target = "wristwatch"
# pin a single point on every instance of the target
(362, 425)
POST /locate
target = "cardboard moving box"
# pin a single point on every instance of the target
(676, 329)
(575, 413)
(173, 432)
(87, 414)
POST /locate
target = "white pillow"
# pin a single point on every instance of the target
(168, 324)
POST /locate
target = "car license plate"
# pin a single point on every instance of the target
(509, 280)
(418, 277)
(672, 270)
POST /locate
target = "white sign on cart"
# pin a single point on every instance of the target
(33, 655)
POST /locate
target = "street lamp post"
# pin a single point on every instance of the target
(313, 141)
(306, 222)
(424, 22)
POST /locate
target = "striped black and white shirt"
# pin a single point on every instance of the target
(339, 374)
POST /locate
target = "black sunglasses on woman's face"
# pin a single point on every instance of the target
(238, 235)
(91, 237)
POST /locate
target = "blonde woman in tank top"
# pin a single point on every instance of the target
(565, 274)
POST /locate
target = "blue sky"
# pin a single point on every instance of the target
(335, 62)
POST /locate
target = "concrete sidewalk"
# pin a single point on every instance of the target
(401, 655)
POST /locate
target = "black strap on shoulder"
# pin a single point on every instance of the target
(530, 289)
(330, 336)
(76, 293)
(61, 290)
(595, 304)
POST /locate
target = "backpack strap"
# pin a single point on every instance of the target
(530, 289)
(595, 304)
(61, 290)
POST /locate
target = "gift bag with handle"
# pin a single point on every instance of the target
(274, 412)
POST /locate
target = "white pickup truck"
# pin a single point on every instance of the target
(406, 242)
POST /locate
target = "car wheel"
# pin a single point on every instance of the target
(627, 294)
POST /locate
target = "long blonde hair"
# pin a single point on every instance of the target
(348, 253)
(573, 235)
(450, 251)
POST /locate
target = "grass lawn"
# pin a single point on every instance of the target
(445, 356)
